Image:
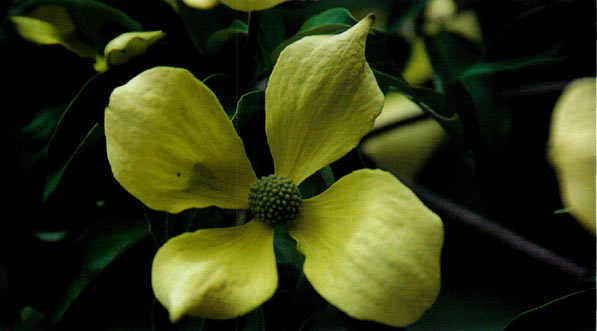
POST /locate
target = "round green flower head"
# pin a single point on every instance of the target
(275, 200)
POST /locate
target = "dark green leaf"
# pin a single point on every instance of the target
(222, 86)
(327, 175)
(77, 127)
(82, 94)
(30, 320)
(90, 255)
(541, 31)
(43, 123)
(486, 115)
(249, 122)
(315, 184)
(162, 225)
(201, 24)
(248, 106)
(482, 67)
(485, 119)
(54, 178)
(330, 16)
(236, 33)
(518, 46)
(450, 55)
(407, 17)
(285, 249)
(486, 132)
(387, 52)
(271, 31)
(442, 109)
(84, 111)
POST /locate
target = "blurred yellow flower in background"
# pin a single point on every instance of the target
(405, 149)
(54, 25)
(571, 149)
(242, 5)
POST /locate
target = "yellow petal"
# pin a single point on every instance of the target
(418, 68)
(37, 31)
(572, 149)
(51, 25)
(216, 273)
(250, 5)
(321, 99)
(172, 146)
(440, 10)
(130, 44)
(443, 14)
(396, 108)
(173, 4)
(372, 248)
(405, 149)
(466, 24)
(200, 4)
(55, 15)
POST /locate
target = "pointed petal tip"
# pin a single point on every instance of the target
(368, 21)
(363, 27)
(175, 315)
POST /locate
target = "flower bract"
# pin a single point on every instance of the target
(126, 46)
(405, 149)
(242, 5)
(371, 246)
(48, 24)
(572, 149)
(439, 15)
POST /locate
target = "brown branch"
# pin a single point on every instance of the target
(455, 212)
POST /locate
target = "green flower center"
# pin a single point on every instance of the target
(275, 200)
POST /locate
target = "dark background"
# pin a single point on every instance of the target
(505, 252)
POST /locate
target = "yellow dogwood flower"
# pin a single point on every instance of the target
(403, 150)
(371, 247)
(439, 15)
(242, 5)
(572, 148)
(406, 149)
(54, 25)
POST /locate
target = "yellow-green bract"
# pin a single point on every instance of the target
(572, 149)
(243, 5)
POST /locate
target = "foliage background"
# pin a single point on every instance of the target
(81, 259)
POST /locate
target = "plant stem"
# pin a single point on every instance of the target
(462, 215)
